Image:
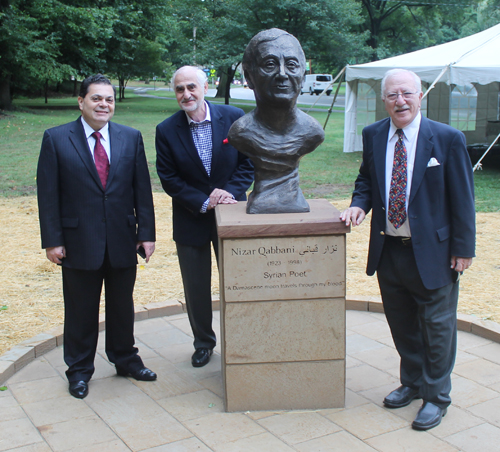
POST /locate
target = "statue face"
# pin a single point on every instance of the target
(278, 74)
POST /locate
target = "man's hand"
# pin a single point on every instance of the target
(219, 196)
(149, 248)
(460, 264)
(56, 254)
(354, 215)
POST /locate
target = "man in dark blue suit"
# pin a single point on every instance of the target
(199, 169)
(416, 178)
(96, 210)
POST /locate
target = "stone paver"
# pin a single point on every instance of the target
(183, 411)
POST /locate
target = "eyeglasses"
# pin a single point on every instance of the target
(393, 96)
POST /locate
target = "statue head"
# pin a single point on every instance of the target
(274, 65)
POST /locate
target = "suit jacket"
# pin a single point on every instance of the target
(76, 212)
(441, 205)
(185, 179)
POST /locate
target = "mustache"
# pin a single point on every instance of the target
(185, 101)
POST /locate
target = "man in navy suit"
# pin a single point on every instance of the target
(96, 210)
(199, 169)
(416, 177)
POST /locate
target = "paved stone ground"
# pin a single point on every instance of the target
(183, 410)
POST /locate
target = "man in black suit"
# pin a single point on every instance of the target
(96, 210)
(199, 169)
(416, 177)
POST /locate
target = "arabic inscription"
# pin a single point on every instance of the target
(284, 268)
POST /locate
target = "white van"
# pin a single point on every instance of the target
(316, 83)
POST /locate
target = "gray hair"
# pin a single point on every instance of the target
(200, 75)
(391, 72)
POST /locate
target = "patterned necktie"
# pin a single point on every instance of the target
(397, 193)
(101, 159)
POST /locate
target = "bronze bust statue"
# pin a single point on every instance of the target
(276, 134)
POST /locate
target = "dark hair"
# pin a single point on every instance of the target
(249, 57)
(96, 79)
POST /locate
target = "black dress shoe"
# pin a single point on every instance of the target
(428, 416)
(143, 374)
(201, 357)
(401, 397)
(79, 389)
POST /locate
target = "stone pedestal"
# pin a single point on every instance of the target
(282, 290)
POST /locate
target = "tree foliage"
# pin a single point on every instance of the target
(216, 32)
(43, 42)
(397, 27)
(47, 41)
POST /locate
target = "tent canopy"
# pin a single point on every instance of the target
(471, 60)
(474, 59)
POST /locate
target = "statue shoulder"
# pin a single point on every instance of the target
(241, 126)
(312, 125)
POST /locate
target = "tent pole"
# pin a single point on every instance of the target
(478, 164)
(333, 102)
(437, 80)
(334, 80)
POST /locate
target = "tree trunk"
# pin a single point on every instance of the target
(75, 87)
(46, 91)
(5, 99)
(230, 75)
(121, 89)
(223, 80)
(125, 81)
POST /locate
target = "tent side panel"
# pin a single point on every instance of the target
(486, 113)
(350, 118)
(438, 104)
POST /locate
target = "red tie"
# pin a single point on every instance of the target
(101, 159)
(397, 193)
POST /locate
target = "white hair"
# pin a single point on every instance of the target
(200, 75)
(391, 72)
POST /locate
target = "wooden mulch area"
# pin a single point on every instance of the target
(31, 292)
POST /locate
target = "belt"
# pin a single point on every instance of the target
(402, 241)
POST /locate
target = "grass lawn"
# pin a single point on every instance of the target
(326, 173)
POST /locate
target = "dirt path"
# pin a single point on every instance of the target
(31, 286)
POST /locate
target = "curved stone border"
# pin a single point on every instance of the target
(25, 352)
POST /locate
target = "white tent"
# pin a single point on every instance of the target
(468, 68)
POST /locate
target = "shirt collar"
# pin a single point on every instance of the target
(207, 116)
(89, 130)
(410, 131)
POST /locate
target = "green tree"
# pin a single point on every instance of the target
(397, 27)
(46, 41)
(215, 32)
(133, 48)
(27, 54)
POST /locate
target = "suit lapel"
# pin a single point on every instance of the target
(79, 141)
(116, 146)
(379, 156)
(186, 139)
(422, 156)
(217, 134)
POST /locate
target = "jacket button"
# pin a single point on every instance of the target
(104, 220)
(382, 233)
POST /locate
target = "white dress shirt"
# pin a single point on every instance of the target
(104, 138)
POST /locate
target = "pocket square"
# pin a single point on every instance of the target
(433, 162)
